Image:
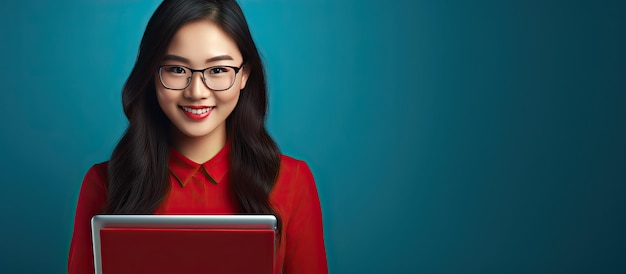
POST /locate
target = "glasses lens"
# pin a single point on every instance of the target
(175, 77)
(219, 78)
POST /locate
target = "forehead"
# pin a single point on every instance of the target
(201, 40)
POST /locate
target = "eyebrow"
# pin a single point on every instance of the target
(172, 57)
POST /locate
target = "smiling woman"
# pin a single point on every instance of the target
(196, 142)
(199, 103)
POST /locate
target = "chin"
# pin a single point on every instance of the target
(196, 134)
(198, 131)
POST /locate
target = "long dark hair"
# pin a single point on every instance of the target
(138, 171)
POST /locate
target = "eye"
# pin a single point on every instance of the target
(175, 69)
(218, 70)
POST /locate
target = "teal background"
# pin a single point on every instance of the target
(445, 136)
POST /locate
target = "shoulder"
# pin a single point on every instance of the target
(294, 176)
(293, 170)
(99, 167)
(290, 164)
(99, 170)
(97, 175)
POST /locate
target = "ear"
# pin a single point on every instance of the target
(245, 73)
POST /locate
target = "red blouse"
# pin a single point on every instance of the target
(203, 189)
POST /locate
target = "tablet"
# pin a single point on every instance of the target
(185, 244)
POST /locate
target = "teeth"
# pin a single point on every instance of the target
(197, 111)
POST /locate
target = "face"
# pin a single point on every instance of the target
(198, 111)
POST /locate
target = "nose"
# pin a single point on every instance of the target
(197, 90)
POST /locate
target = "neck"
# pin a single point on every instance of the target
(200, 149)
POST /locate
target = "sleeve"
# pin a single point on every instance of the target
(91, 201)
(305, 250)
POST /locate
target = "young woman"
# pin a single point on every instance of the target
(196, 141)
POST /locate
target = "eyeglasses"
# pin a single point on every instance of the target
(216, 78)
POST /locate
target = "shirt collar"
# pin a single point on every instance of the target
(214, 169)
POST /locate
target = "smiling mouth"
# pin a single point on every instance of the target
(196, 111)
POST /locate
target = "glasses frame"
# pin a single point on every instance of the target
(236, 69)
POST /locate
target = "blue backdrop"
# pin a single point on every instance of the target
(445, 136)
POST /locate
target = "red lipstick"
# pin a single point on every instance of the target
(197, 113)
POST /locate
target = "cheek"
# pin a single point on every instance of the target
(229, 99)
(165, 100)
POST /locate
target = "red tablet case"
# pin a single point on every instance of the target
(186, 251)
